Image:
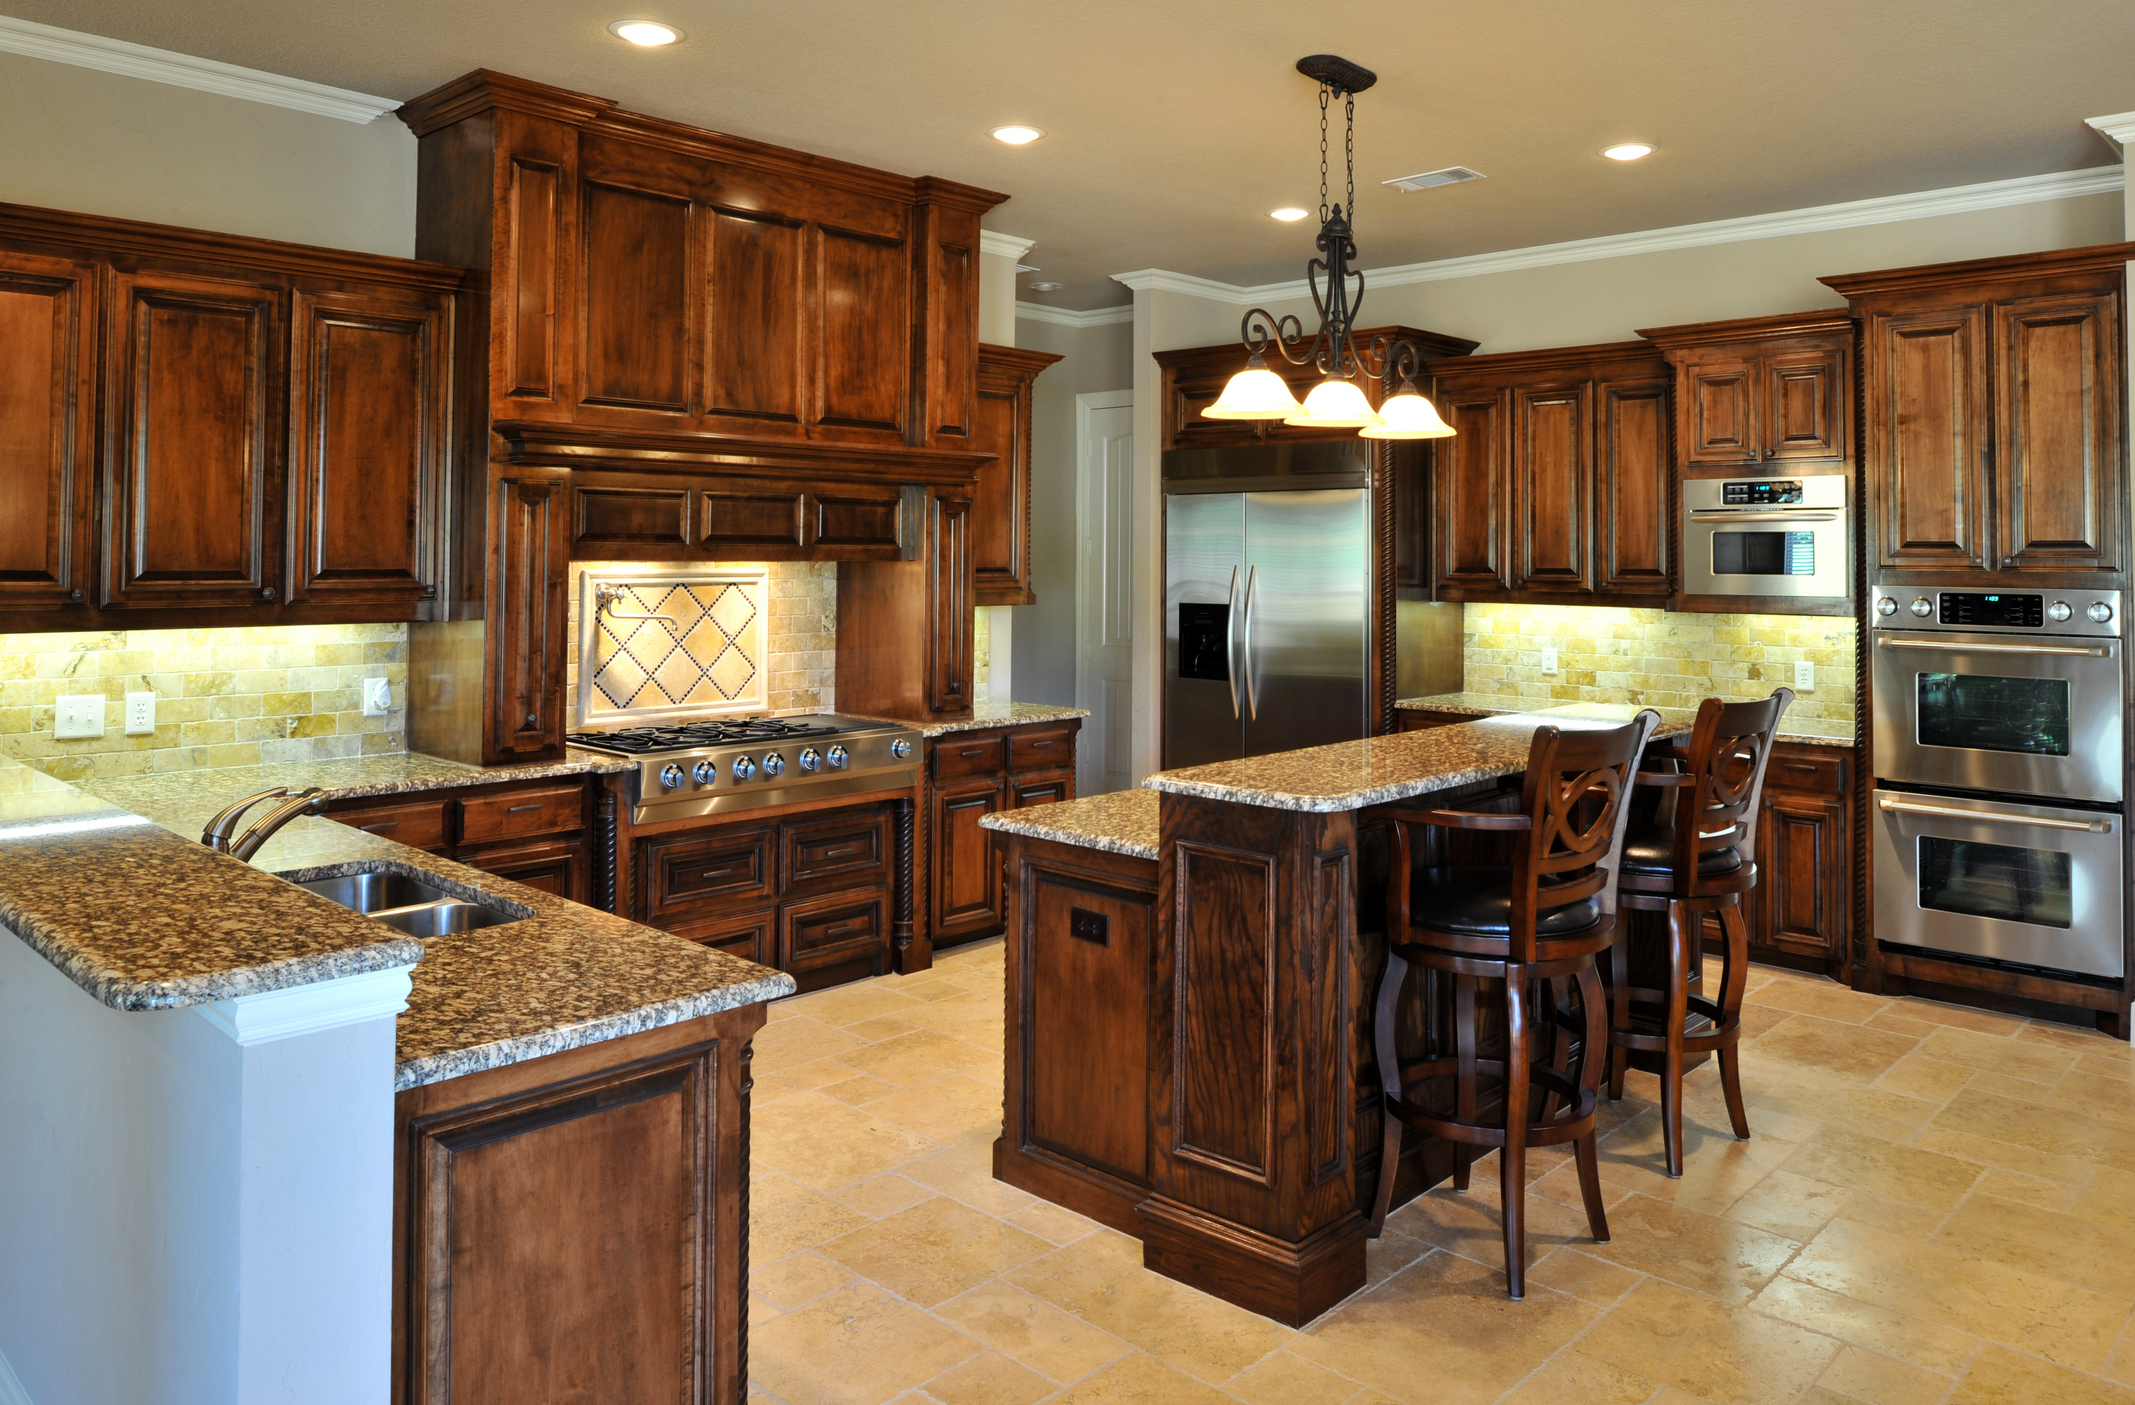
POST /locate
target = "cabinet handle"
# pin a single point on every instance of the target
(972, 751)
(1797, 765)
(522, 809)
(376, 828)
(841, 931)
(717, 872)
(840, 852)
(1039, 746)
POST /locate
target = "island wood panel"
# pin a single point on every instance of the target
(2057, 412)
(48, 369)
(576, 1218)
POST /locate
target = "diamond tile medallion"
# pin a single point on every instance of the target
(700, 648)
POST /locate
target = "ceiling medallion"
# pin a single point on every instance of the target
(1338, 401)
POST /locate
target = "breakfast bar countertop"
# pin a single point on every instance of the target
(1821, 732)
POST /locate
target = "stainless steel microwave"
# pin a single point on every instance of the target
(1767, 536)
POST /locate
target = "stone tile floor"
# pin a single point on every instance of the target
(1938, 1204)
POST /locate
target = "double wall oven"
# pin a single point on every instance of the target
(1999, 808)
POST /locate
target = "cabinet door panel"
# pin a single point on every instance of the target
(949, 607)
(2057, 417)
(1803, 417)
(1000, 497)
(1635, 474)
(526, 619)
(189, 394)
(832, 931)
(1927, 400)
(1720, 422)
(367, 396)
(864, 345)
(768, 520)
(636, 299)
(848, 850)
(628, 519)
(952, 323)
(688, 877)
(529, 284)
(1803, 885)
(852, 518)
(1552, 478)
(754, 370)
(1469, 493)
(558, 867)
(47, 428)
(965, 886)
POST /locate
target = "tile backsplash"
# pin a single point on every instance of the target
(224, 697)
(1662, 659)
(800, 641)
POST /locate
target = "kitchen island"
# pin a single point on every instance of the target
(298, 1150)
(1190, 970)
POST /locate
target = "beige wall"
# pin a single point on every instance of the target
(104, 144)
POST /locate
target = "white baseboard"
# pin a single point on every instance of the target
(11, 1391)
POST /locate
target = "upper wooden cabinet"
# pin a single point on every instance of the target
(1556, 485)
(1762, 392)
(272, 422)
(1000, 499)
(1195, 377)
(1993, 429)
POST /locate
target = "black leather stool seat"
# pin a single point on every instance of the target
(1477, 902)
(1650, 848)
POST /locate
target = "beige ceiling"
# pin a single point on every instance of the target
(1175, 125)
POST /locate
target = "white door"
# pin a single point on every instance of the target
(1104, 590)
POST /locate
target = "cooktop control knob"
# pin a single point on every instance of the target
(811, 759)
(900, 748)
(838, 758)
(1886, 606)
(2058, 611)
(704, 773)
(670, 775)
(774, 764)
(2099, 612)
(1923, 607)
(744, 768)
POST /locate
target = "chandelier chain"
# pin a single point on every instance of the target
(1349, 151)
(1323, 153)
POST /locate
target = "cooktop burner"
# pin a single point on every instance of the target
(687, 736)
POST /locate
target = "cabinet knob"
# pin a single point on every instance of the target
(76, 596)
(429, 592)
(267, 594)
(530, 721)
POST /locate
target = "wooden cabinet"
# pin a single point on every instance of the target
(949, 643)
(48, 368)
(1803, 903)
(1770, 393)
(558, 866)
(965, 881)
(527, 619)
(905, 646)
(544, 833)
(1993, 406)
(1556, 485)
(969, 775)
(1000, 498)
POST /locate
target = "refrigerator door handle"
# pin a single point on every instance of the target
(1252, 692)
(1230, 640)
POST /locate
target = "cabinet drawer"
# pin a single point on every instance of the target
(1041, 789)
(684, 873)
(1031, 751)
(852, 849)
(832, 930)
(753, 936)
(522, 812)
(553, 867)
(967, 756)
(420, 825)
(1814, 770)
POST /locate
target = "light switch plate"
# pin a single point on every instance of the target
(1805, 677)
(1549, 660)
(377, 697)
(140, 714)
(78, 715)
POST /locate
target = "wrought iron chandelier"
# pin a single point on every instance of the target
(1338, 401)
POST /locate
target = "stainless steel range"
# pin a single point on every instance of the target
(724, 764)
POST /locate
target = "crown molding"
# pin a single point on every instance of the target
(307, 1009)
(1851, 214)
(2117, 128)
(1069, 317)
(43, 41)
(1006, 246)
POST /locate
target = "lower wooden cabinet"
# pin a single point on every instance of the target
(1803, 904)
(545, 834)
(966, 888)
(970, 775)
(555, 866)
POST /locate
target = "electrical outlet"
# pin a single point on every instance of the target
(78, 715)
(1805, 677)
(140, 714)
(377, 697)
(1549, 660)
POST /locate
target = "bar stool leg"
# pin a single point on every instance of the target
(1619, 1060)
(1512, 1157)
(1597, 1039)
(1464, 1080)
(1733, 977)
(1385, 1019)
(1672, 1061)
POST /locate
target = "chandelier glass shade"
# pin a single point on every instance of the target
(1339, 400)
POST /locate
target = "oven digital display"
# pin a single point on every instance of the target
(1773, 492)
(2017, 611)
(1763, 554)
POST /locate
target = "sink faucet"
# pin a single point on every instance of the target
(219, 833)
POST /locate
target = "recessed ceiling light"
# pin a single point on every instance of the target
(1047, 287)
(1016, 134)
(1286, 214)
(1629, 151)
(646, 34)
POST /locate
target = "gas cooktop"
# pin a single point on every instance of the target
(718, 731)
(718, 764)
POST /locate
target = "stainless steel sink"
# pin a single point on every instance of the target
(440, 918)
(412, 906)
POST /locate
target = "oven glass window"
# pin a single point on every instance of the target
(1979, 713)
(1764, 553)
(1996, 881)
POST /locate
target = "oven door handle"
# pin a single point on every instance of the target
(2088, 651)
(1721, 514)
(1914, 807)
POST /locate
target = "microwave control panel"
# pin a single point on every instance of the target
(1766, 492)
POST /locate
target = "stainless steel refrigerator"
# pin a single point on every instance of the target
(1267, 591)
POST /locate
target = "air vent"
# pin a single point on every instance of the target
(1429, 180)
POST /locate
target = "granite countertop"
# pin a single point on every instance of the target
(1003, 714)
(1118, 822)
(1381, 770)
(1494, 704)
(167, 792)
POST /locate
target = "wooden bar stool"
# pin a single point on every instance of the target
(1695, 852)
(1544, 920)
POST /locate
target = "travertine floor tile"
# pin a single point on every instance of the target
(882, 1027)
(1570, 1378)
(1585, 1277)
(796, 1039)
(852, 1004)
(1998, 1053)
(2054, 1131)
(821, 1142)
(2001, 1377)
(858, 1089)
(1883, 1330)
(1139, 1380)
(923, 1056)
(859, 1346)
(989, 1380)
(1725, 1259)
(2068, 1247)
(1727, 1355)
(1468, 1222)
(1827, 999)
(786, 1217)
(884, 1195)
(1925, 1178)
(1847, 1051)
(777, 1082)
(934, 1250)
(1285, 1378)
(2107, 1099)
(1052, 1223)
(2030, 1190)
(965, 1171)
(953, 1110)
(1790, 1206)
(1880, 1380)
(802, 1278)
(1032, 1331)
(1838, 1102)
(2107, 1196)
(1918, 1076)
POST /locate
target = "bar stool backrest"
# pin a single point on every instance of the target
(1730, 747)
(1577, 801)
